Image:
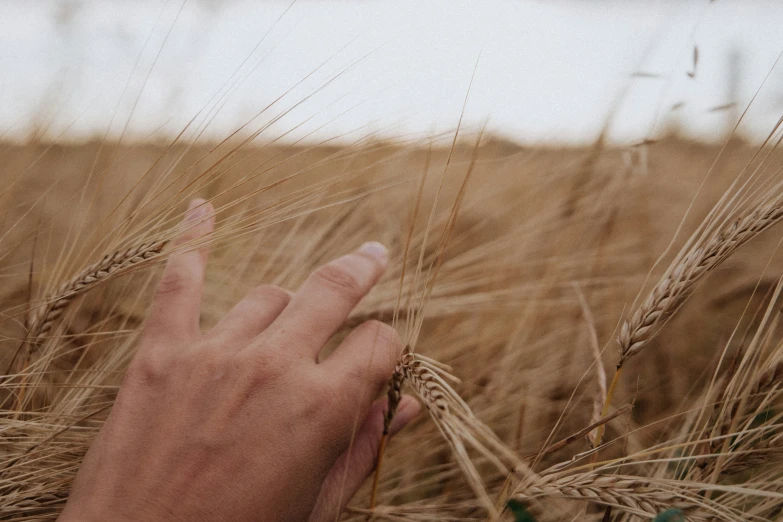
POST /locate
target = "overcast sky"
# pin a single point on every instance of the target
(544, 70)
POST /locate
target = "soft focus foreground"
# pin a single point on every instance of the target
(512, 268)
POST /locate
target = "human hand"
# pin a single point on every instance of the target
(241, 423)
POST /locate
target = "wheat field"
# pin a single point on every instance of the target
(594, 331)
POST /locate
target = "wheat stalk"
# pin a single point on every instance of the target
(393, 397)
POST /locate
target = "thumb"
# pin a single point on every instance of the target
(353, 467)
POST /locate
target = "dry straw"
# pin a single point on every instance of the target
(469, 433)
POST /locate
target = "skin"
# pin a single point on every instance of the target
(243, 422)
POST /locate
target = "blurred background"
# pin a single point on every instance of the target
(545, 72)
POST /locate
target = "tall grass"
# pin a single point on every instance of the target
(485, 284)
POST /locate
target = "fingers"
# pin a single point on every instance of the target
(364, 361)
(176, 307)
(324, 301)
(253, 314)
(353, 467)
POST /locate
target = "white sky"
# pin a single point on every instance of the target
(548, 70)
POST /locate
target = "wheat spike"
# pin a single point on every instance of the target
(457, 423)
(634, 495)
(41, 321)
(679, 280)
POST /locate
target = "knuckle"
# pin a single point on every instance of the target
(356, 377)
(177, 280)
(155, 327)
(337, 276)
(382, 333)
(144, 371)
(334, 402)
(333, 414)
(265, 366)
(384, 344)
(205, 362)
(379, 372)
(271, 294)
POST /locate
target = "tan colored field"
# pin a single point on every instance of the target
(548, 246)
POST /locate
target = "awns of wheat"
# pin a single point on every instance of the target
(43, 497)
(631, 494)
(743, 430)
(688, 269)
(42, 320)
(712, 244)
(456, 422)
(747, 431)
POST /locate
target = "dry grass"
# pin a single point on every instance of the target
(511, 269)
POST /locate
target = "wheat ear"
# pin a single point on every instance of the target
(634, 495)
(699, 258)
(679, 280)
(41, 321)
(456, 422)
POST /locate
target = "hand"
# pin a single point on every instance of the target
(241, 423)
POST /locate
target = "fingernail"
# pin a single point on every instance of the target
(375, 250)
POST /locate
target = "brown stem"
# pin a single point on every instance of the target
(609, 395)
(377, 475)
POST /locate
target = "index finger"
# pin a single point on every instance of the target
(324, 301)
